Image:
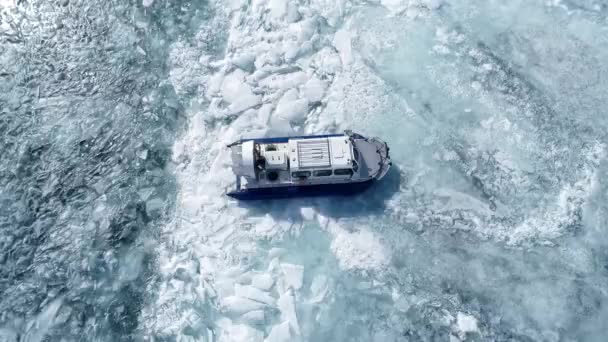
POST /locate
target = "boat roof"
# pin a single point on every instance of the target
(305, 153)
(320, 152)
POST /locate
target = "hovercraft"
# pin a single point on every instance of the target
(315, 165)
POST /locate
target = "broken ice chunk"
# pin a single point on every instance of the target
(140, 50)
(262, 281)
(279, 333)
(291, 50)
(293, 14)
(278, 8)
(308, 213)
(318, 289)
(240, 332)
(276, 252)
(244, 62)
(224, 287)
(215, 83)
(253, 293)
(465, 324)
(280, 126)
(245, 102)
(433, 4)
(145, 193)
(327, 62)
(239, 305)
(153, 206)
(291, 108)
(273, 265)
(254, 317)
(314, 90)
(342, 42)
(142, 154)
(234, 87)
(294, 111)
(8, 334)
(293, 275)
(287, 306)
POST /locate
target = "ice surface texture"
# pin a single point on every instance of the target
(114, 117)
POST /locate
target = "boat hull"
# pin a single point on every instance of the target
(293, 191)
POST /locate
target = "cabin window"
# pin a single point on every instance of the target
(322, 173)
(300, 174)
(343, 172)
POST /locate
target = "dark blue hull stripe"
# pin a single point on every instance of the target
(345, 189)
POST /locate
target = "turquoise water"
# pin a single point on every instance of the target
(113, 122)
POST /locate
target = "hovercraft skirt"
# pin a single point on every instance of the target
(342, 189)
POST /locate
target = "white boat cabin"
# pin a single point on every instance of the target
(301, 161)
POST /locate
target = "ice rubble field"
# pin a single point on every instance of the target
(492, 225)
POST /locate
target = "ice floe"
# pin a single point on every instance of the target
(359, 250)
(291, 68)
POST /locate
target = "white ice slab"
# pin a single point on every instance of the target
(314, 90)
(278, 8)
(239, 305)
(279, 333)
(262, 281)
(254, 317)
(293, 275)
(465, 323)
(253, 293)
(287, 306)
(240, 333)
(342, 42)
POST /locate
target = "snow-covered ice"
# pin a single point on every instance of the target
(114, 121)
(464, 148)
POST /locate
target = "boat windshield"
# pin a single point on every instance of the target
(355, 153)
(355, 159)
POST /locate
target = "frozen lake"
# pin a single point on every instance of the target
(114, 120)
